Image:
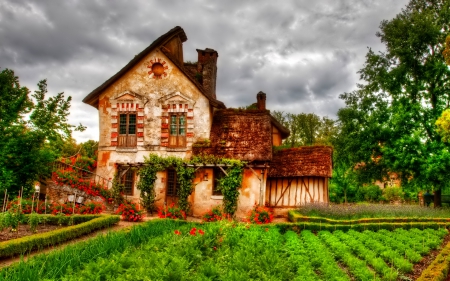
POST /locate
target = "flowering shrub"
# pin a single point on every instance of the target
(260, 215)
(87, 209)
(129, 212)
(70, 177)
(172, 212)
(213, 215)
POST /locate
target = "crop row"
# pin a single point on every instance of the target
(171, 250)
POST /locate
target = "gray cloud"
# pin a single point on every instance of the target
(302, 54)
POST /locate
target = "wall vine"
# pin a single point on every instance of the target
(229, 184)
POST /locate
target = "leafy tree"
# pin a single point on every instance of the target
(388, 123)
(306, 128)
(30, 128)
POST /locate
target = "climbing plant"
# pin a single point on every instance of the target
(147, 177)
(185, 176)
(230, 183)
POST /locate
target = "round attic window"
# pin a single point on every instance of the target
(157, 69)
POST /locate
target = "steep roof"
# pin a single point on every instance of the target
(302, 161)
(240, 134)
(92, 98)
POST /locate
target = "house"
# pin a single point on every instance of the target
(159, 104)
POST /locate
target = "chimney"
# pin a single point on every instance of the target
(207, 70)
(261, 100)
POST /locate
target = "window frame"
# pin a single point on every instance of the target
(177, 139)
(217, 174)
(172, 184)
(127, 176)
(127, 139)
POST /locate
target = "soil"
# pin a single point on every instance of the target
(426, 261)
(24, 230)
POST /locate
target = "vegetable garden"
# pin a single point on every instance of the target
(178, 250)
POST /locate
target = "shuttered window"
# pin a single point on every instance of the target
(127, 130)
(177, 130)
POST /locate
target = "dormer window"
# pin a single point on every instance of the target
(177, 129)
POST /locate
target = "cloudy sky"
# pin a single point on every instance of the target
(302, 54)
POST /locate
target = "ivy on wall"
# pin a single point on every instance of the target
(229, 184)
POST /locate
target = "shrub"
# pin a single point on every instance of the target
(172, 212)
(87, 209)
(39, 207)
(213, 215)
(260, 215)
(370, 193)
(129, 212)
(393, 194)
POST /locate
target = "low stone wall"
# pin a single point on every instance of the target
(60, 194)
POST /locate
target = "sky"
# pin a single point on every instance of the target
(303, 54)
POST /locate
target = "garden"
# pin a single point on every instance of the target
(324, 246)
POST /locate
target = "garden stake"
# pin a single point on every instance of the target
(4, 202)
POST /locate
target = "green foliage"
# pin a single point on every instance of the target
(393, 194)
(306, 129)
(171, 212)
(388, 124)
(369, 193)
(31, 127)
(33, 221)
(117, 190)
(443, 125)
(38, 241)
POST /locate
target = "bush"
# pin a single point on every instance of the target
(87, 209)
(260, 215)
(393, 194)
(213, 215)
(370, 193)
(172, 212)
(129, 212)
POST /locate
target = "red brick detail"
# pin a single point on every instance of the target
(140, 109)
(165, 144)
(190, 110)
(165, 125)
(113, 116)
(140, 134)
(114, 135)
(190, 135)
(140, 118)
(113, 143)
(114, 125)
(190, 117)
(141, 125)
(164, 135)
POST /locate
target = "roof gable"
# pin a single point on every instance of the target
(171, 45)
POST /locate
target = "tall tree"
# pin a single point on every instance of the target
(388, 124)
(306, 128)
(30, 128)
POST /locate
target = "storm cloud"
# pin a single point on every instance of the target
(302, 54)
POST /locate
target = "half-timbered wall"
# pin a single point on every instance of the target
(296, 191)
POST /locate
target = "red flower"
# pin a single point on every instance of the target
(201, 232)
(193, 231)
(177, 232)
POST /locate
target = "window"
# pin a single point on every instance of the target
(172, 183)
(177, 130)
(127, 130)
(127, 179)
(218, 174)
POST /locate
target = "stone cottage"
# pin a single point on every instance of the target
(159, 104)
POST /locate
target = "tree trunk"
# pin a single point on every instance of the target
(437, 198)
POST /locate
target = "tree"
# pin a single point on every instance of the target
(388, 123)
(306, 128)
(30, 129)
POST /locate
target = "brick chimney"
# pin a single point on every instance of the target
(207, 69)
(261, 101)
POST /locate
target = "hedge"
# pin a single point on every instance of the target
(438, 269)
(38, 241)
(294, 216)
(314, 226)
(64, 220)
